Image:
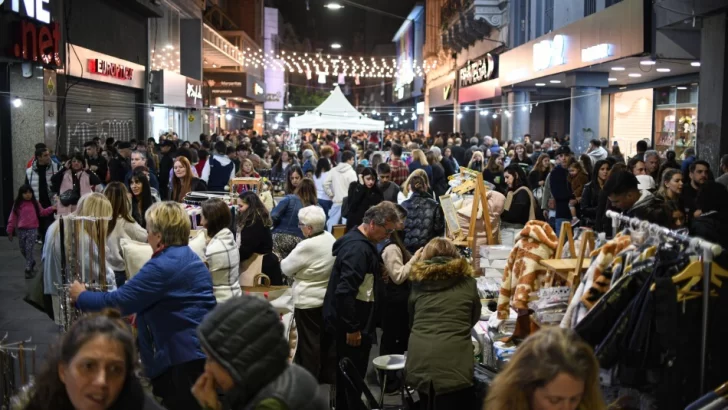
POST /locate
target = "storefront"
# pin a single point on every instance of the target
(478, 93)
(178, 105)
(442, 101)
(232, 97)
(104, 98)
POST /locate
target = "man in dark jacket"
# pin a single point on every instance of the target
(622, 190)
(458, 152)
(348, 309)
(95, 162)
(389, 189)
(168, 149)
(251, 368)
(560, 187)
(120, 165)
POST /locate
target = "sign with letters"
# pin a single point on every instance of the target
(118, 71)
(597, 52)
(549, 53)
(28, 33)
(478, 71)
(39, 10)
(193, 93)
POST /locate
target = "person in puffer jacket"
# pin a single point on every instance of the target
(425, 219)
(251, 368)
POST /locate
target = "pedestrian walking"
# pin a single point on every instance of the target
(25, 220)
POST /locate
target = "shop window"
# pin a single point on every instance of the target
(676, 118)
(630, 117)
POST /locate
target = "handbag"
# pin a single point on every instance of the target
(69, 197)
(538, 194)
(250, 269)
(345, 208)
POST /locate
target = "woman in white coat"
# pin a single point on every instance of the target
(221, 254)
(309, 265)
(122, 225)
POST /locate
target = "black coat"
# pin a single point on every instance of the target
(448, 167)
(360, 199)
(118, 168)
(439, 180)
(520, 210)
(165, 166)
(425, 220)
(458, 152)
(713, 227)
(590, 203)
(101, 165)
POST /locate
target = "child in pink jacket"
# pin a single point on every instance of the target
(25, 219)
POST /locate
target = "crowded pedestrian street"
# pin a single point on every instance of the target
(363, 204)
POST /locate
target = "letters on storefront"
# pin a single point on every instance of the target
(478, 71)
(105, 68)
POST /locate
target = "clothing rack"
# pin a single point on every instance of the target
(708, 251)
(15, 374)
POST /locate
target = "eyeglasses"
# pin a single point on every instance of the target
(388, 231)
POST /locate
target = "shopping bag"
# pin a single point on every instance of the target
(35, 297)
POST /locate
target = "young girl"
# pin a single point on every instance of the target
(25, 218)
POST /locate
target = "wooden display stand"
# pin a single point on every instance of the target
(480, 195)
(566, 268)
(256, 184)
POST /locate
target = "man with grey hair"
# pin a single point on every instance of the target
(652, 164)
(469, 152)
(348, 309)
(446, 165)
(457, 150)
(536, 152)
(139, 160)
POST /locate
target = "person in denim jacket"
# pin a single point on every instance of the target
(286, 231)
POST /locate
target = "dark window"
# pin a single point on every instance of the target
(608, 3)
(590, 7)
(548, 16)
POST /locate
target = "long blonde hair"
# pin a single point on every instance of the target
(406, 185)
(94, 204)
(419, 155)
(543, 356)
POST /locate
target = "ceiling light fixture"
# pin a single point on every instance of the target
(17, 102)
(336, 46)
(682, 88)
(555, 81)
(618, 68)
(647, 62)
(695, 64)
(334, 6)
(540, 84)
(612, 79)
(663, 70)
(635, 75)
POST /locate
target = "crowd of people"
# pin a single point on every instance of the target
(198, 334)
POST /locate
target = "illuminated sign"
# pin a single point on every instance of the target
(549, 53)
(34, 9)
(118, 71)
(446, 92)
(258, 89)
(193, 95)
(39, 43)
(477, 71)
(597, 52)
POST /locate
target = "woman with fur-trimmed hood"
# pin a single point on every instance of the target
(444, 306)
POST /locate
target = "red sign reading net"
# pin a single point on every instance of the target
(118, 71)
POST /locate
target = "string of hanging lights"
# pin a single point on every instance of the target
(328, 64)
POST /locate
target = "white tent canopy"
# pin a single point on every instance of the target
(334, 113)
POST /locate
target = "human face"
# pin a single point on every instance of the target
(499, 161)
(306, 230)
(564, 392)
(526, 139)
(219, 375)
(675, 184)
(135, 186)
(378, 233)
(105, 154)
(573, 171)
(624, 201)
(510, 180)
(369, 181)
(136, 160)
(652, 163)
(179, 170)
(45, 159)
(678, 219)
(545, 162)
(384, 178)
(520, 151)
(562, 159)
(639, 169)
(296, 179)
(284, 157)
(699, 175)
(447, 153)
(28, 195)
(76, 165)
(96, 374)
(603, 172)
(247, 167)
(91, 151)
(242, 206)
(154, 239)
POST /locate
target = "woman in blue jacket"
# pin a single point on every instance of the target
(286, 231)
(170, 295)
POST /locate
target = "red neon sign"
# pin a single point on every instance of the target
(38, 43)
(118, 71)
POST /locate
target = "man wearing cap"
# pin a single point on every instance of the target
(120, 165)
(96, 163)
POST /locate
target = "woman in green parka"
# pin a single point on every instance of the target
(444, 306)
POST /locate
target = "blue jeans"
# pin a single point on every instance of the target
(558, 222)
(334, 217)
(326, 205)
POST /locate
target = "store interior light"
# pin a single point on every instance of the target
(555, 81)
(374, 112)
(663, 70)
(695, 64)
(17, 102)
(612, 79)
(228, 117)
(334, 6)
(540, 84)
(635, 75)
(336, 46)
(682, 88)
(618, 68)
(460, 116)
(524, 108)
(467, 108)
(647, 62)
(508, 113)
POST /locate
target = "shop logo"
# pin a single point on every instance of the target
(446, 92)
(38, 43)
(257, 89)
(273, 97)
(113, 70)
(34, 9)
(477, 71)
(194, 92)
(549, 53)
(597, 52)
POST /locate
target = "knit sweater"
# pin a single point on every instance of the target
(122, 229)
(523, 272)
(223, 260)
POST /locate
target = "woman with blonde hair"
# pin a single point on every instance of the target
(183, 182)
(419, 161)
(552, 369)
(405, 193)
(444, 306)
(476, 161)
(122, 225)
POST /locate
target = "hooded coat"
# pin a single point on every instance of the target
(444, 306)
(425, 220)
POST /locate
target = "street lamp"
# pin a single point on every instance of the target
(334, 6)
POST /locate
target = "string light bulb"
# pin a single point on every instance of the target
(17, 102)
(88, 109)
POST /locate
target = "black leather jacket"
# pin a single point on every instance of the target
(424, 221)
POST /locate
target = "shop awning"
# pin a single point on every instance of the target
(218, 51)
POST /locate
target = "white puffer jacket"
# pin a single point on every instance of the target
(223, 260)
(310, 265)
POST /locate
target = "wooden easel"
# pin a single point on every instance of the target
(480, 195)
(255, 183)
(569, 269)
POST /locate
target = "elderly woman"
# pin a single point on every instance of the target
(170, 295)
(309, 264)
(221, 252)
(92, 368)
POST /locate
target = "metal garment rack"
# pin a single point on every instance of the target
(708, 251)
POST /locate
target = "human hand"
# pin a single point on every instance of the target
(418, 255)
(204, 392)
(76, 290)
(572, 202)
(353, 339)
(10, 236)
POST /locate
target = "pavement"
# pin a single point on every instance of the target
(21, 321)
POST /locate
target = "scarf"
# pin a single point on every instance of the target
(509, 200)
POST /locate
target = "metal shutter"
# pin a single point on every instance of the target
(114, 113)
